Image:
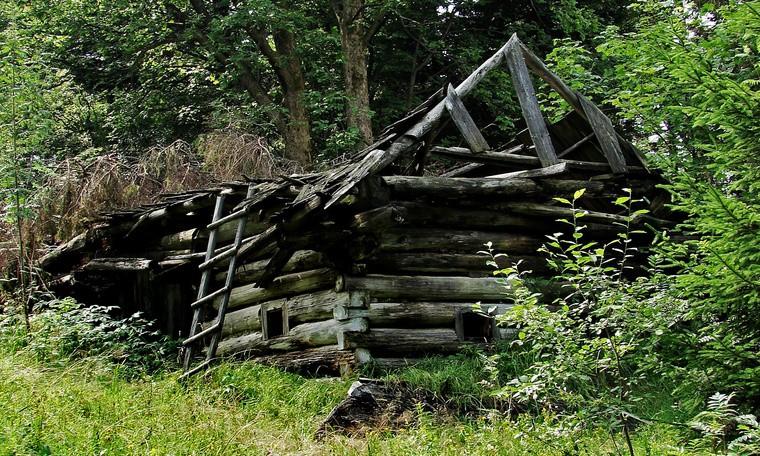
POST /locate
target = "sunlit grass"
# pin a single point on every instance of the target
(86, 408)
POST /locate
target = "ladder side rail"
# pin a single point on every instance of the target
(211, 352)
(205, 279)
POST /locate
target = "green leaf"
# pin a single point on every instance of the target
(578, 193)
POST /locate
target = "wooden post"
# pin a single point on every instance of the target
(526, 95)
(464, 122)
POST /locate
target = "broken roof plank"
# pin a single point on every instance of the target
(571, 96)
(605, 134)
(407, 140)
(526, 95)
(464, 122)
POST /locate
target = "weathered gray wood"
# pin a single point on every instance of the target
(526, 95)
(327, 360)
(303, 308)
(196, 236)
(545, 210)
(403, 341)
(553, 170)
(301, 260)
(447, 240)
(458, 187)
(430, 288)
(120, 265)
(411, 214)
(371, 164)
(457, 172)
(503, 158)
(287, 285)
(424, 263)
(572, 97)
(416, 314)
(605, 134)
(306, 335)
(464, 122)
(491, 157)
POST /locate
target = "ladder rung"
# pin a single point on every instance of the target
(196, 369)
(209, 297)
(210, 330)
(231, 251)
(235, 215)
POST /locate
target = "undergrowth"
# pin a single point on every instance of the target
(69, 387)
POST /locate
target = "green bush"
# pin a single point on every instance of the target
(62, 330)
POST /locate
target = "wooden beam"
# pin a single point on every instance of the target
(503, 158)
(372, 163)
(458, 187)
(526, 95)
(571, 96)
(552, 170)
(605, 134)
(431, 288)
(464, 122)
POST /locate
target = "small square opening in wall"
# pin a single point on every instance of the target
(474, 327)
(274, 323)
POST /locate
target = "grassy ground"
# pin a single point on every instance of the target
(85, 407)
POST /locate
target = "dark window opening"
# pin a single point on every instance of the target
(475, 327)
(274, 323)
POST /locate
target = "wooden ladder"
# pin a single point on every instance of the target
(197, 333)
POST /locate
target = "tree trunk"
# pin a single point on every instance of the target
(353, 40)
(297, 131)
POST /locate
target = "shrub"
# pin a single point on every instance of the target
(62, 330)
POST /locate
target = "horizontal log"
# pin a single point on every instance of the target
(419, 214)
(287, 285)
(433, 288)
(504, 158)
(300, 309)
(302, 260)
(120, 265)
(403, 341)
(443, 240)
(199, 236)
(307, 335)
(545, 210)
(458, 187)
(321, 361)
(425, 263)
(417, 314)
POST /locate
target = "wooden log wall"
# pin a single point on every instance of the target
(387, 273)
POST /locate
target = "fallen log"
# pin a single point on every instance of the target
(307, 335)
(321, 361)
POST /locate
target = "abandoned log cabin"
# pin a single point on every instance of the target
(374, 259)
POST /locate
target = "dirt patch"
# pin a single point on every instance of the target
(375, 404)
